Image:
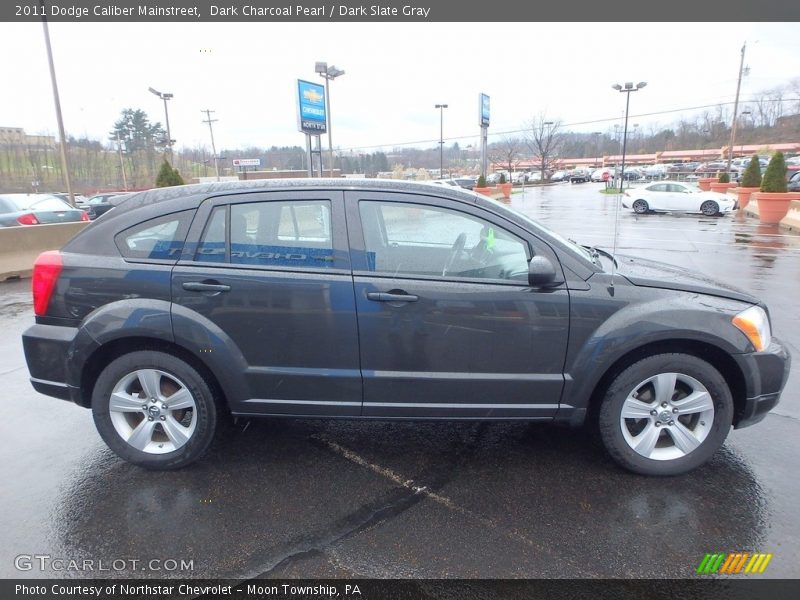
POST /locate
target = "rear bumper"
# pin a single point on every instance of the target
(765, 375)
(47, 350)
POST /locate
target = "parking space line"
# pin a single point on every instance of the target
(448, 503)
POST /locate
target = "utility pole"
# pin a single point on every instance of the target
(57, 101)
(122, 163)
(736, 109)
(209, 120)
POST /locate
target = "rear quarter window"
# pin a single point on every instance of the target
(160, 238)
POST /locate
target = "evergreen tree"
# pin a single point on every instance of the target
(752, 174)
(167, 176)
(775, 176)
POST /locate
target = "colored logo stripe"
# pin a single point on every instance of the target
(734, 563)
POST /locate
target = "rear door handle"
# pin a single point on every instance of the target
(391, 297)
(206, 286)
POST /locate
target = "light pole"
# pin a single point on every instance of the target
(627, 89)
(328, 73)
(597, 135)
(164, 96)
(441, 108)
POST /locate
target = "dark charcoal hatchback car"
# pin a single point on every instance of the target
(386, 300)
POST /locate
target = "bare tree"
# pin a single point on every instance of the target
(544, 140)
(507, 152)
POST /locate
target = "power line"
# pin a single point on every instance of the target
(591, 122)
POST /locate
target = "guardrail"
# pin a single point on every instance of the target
(19, 246)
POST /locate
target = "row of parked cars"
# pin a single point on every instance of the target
(39, 209)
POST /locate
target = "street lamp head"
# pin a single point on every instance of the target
(617, 87)
(156, 92)
(640, 85)
(441, 106)
(320, 67)
(628, 85)
(333, 72)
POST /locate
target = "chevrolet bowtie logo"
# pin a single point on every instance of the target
(312, 96)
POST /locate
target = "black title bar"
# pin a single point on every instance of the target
(242, 11)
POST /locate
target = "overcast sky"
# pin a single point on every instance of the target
(395, 73)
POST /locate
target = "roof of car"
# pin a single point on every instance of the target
(199, 190)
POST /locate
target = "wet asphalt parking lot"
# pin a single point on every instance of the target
(292, 498)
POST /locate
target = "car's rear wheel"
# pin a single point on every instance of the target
(666, 414)
(154, 410)
(640, 207)
(709, 208)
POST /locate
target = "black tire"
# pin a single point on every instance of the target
(709, 208)
(625, 383)
(640, 206)
(205, 407)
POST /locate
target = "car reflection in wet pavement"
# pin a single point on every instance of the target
(388, 499)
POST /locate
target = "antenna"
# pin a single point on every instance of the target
(614, 251)
(627, 90)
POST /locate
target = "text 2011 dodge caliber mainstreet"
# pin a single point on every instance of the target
(386, 300)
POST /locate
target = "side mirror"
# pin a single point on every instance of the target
(541, 272)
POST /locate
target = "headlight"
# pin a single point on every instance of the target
(754, 323)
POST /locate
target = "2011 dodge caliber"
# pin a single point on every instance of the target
(386, 300)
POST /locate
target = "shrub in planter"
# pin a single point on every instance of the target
(481, 182)
(482, 188)
(775, 176)
(752, 174)
(724, 178)
(751, 182)
(502, 178)
(773, 199)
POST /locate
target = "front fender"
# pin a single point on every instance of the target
(666, 317)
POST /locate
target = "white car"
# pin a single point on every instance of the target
(597, 174)
(677, 197)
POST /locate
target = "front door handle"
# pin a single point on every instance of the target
(206, 286)
(391, 297)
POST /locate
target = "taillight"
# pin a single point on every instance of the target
(46, 270)
(27, 219)
(84, 216)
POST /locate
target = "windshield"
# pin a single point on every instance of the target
(536, 226)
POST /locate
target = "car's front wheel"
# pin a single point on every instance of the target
(154, 410)
(666, 414)
(640, 207)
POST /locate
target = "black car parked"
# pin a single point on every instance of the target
(102, 203)
(381, 299)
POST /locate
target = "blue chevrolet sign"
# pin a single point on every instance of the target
(484, 110)
(311, 107)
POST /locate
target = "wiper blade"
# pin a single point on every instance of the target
(597, 251)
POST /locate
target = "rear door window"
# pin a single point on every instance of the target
(294, 233)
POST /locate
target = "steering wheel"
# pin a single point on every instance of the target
(458, 247)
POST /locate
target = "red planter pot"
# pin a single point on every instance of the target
(704, 183)
(743, 195)
(506, 189)
(773, 206)
(486, 191)
(721, 187)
